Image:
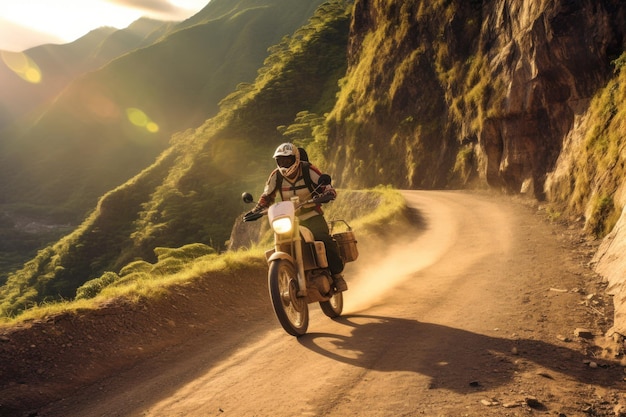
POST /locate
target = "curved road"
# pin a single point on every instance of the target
(460, 321)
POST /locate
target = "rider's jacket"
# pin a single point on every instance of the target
(277, 183)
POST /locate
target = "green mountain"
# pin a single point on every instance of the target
(21, 101)
(109, 124)
(192, 192)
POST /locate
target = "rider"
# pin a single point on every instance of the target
(290, 179)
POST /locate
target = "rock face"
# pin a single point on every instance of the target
(486, 89)
(552, 56)
(480, 93)
(610, 262)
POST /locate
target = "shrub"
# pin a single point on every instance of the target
(93, 287)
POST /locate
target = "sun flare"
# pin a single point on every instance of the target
(22, 65)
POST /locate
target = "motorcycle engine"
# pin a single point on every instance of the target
(321, 282)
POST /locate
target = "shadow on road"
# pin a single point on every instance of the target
(454, 359)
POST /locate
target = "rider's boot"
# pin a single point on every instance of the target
(339, 283)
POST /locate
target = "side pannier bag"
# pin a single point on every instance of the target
(347, 245)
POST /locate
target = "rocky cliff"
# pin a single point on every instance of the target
(522, 95)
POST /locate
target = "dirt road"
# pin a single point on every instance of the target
(475, 317)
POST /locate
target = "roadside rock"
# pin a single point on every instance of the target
(610, 263)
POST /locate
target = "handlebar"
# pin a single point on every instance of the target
(324, 198)
(256, 215)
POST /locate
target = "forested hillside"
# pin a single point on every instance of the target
(192, 193)
(109, 124)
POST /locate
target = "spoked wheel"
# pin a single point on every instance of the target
(292, 312)
(333, 307)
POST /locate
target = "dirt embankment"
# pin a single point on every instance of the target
(45, 360)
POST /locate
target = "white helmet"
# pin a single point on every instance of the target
(288, 159)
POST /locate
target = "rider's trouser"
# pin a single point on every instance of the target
(319, 228)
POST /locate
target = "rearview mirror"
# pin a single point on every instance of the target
(324, 179)
(247, 198)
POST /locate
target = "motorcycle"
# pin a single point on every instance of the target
(298, 272)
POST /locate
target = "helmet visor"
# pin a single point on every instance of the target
(285, 161)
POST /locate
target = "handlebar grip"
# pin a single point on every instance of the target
(250, 217)
(324, 198)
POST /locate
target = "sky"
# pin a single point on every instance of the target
(28, 23)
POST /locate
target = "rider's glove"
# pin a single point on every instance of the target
(325, 197)
(331, 193)
(254, 214)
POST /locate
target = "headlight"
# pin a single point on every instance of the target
(282, 225)
(281, 216)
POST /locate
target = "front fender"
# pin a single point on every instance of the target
(281, 255)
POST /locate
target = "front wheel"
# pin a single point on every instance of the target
(292, 311)
(334, 306)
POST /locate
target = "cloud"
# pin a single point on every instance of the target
(163, 9)
(158, 6)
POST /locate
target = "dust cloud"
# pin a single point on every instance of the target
(382, 266)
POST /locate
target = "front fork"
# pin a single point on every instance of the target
(295, 252)
(297, 241)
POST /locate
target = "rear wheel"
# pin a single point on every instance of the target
(333, 307)
(292, 311)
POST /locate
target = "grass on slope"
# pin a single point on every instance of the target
(368, 212)
(595, 184)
